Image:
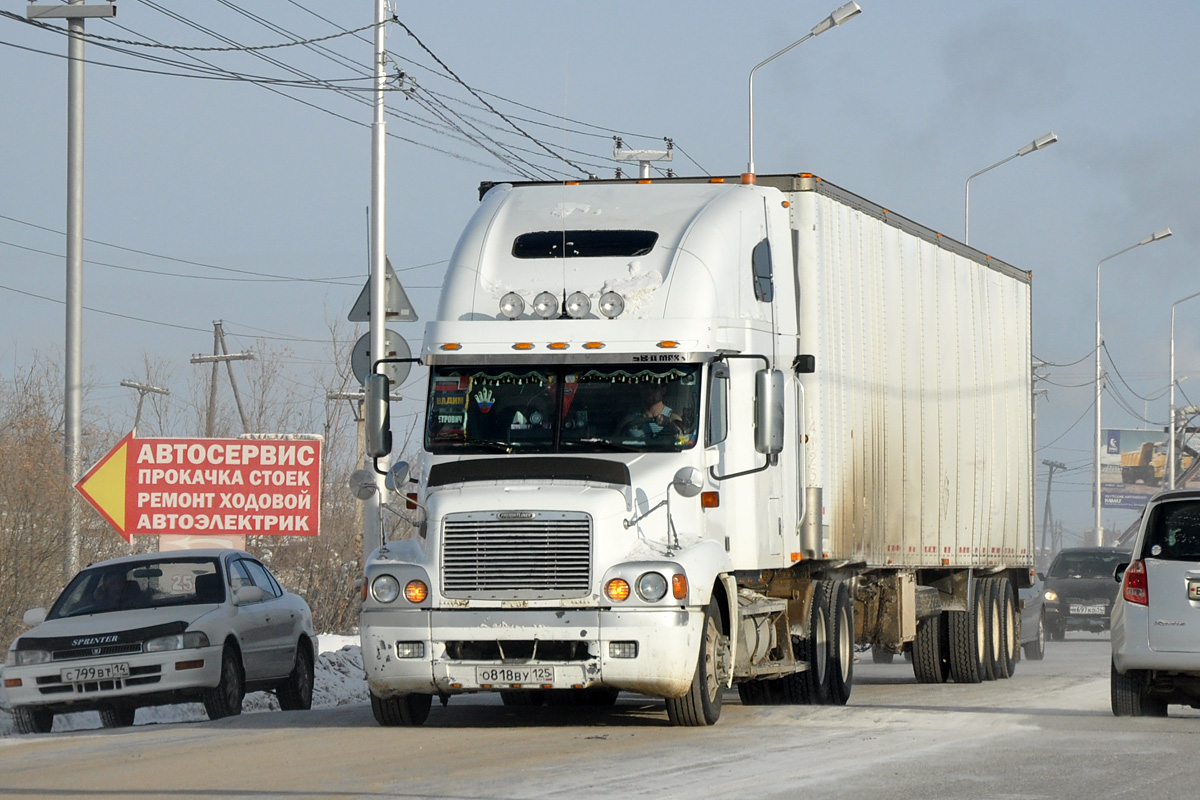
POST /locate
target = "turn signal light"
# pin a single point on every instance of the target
(416, 591)
(1135, 588)
(617, 590)
(679, 586)
(710, 499)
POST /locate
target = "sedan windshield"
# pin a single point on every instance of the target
(602, 408)
(141, 584)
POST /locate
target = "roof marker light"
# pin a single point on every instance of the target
(667, 344)
(611, 304)
(557, 346)
(511, 305)
(593, 345)
(545, 305)
(578, 305)
(523, 346)
(452, 346)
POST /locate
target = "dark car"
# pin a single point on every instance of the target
(1033, 618)
(1080, 589)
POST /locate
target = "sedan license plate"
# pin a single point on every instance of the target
(1081, 609)
(510, 675)
(94, 672)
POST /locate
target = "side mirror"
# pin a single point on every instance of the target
(397, 476)
(1119, 572)
(688, 481)
(768, 411)
(247, 594)
(378, 421)
(34, 617)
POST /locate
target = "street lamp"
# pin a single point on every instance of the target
(832, 21)
(1098, 530)
(1043, 141)
(1171, 441)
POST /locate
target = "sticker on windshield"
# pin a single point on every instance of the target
(484, 399)
(1156, 550)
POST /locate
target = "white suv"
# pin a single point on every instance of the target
(1156, 617)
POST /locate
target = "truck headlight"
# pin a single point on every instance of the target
(179, 641)
(28, 658)
(385, 589)
(651, 587)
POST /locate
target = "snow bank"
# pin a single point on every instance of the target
(339, 681)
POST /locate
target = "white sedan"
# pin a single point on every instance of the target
(162, 628)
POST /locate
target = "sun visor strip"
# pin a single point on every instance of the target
(523, 469)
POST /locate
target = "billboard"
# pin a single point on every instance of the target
(1133, 466)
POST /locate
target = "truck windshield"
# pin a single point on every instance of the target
(563, 408)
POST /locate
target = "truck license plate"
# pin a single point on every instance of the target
(1079, 609)
(520, 675)
(94, 672)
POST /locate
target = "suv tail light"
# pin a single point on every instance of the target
(1134, 588)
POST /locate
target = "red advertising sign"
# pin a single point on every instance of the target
(226, 487)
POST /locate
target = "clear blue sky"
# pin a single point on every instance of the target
(899, 105)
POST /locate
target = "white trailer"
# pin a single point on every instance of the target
(687, 434)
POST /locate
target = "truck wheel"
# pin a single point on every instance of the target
(1131, 696)
(841, 645)
(702, 703)
(968, 640)
(755, 693)
(1006, 655)
(32, 719)
(991, 636)
(117, 717)
(296, 691)
(1036, 650)
(811, 686)
(930, 650)
(225, 699)
(408, 710)
(523, 698)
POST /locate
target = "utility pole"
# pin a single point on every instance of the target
(221, 353)
(373, 505)
(143, 389)
(1047, 517)
(74, 13)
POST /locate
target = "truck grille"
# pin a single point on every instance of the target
(517, 555)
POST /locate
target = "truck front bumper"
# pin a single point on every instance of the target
(651, 651)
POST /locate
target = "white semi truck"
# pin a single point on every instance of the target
(689, 434)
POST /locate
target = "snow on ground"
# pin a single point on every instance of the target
(339, 681)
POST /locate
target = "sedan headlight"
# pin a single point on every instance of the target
(27, 658)
(1050, 596)
(179, 641)
(385, 589)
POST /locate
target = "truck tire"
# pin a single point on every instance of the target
(991, 628)
(32, 719)
(1131, 697)
(523, 698)
(701, 705)
(756, 693)
(811, 686)
(225, 699)
(881, 656)
(841, 645)
(930, 650)
(117, 717)
(1036, 649)
(968, 637)
(1006, 655)
(408, 710)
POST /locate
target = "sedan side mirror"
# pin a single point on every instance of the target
(33, 617)
(1119, 572)
(247, 594)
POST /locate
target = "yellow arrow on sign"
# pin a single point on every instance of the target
(104, 486)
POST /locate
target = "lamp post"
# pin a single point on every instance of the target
(832, 21)
(1171, 409)
(1043, 141)
(1098, 530)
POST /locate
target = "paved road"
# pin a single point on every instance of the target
(1046, 733)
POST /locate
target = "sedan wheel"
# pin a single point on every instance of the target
(225, 699)
(31, 719)
(296, 692)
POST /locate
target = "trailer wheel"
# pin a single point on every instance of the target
(968, 637)
(1006, 654)
(841, 645)
(931, 650)
(755, 693)
(1131, 697)
(702, 704)
(991, 649)
(881, 656)
(409, 710)
(812, 685)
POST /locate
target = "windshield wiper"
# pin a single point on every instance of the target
(489, 444)
(602, 444)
